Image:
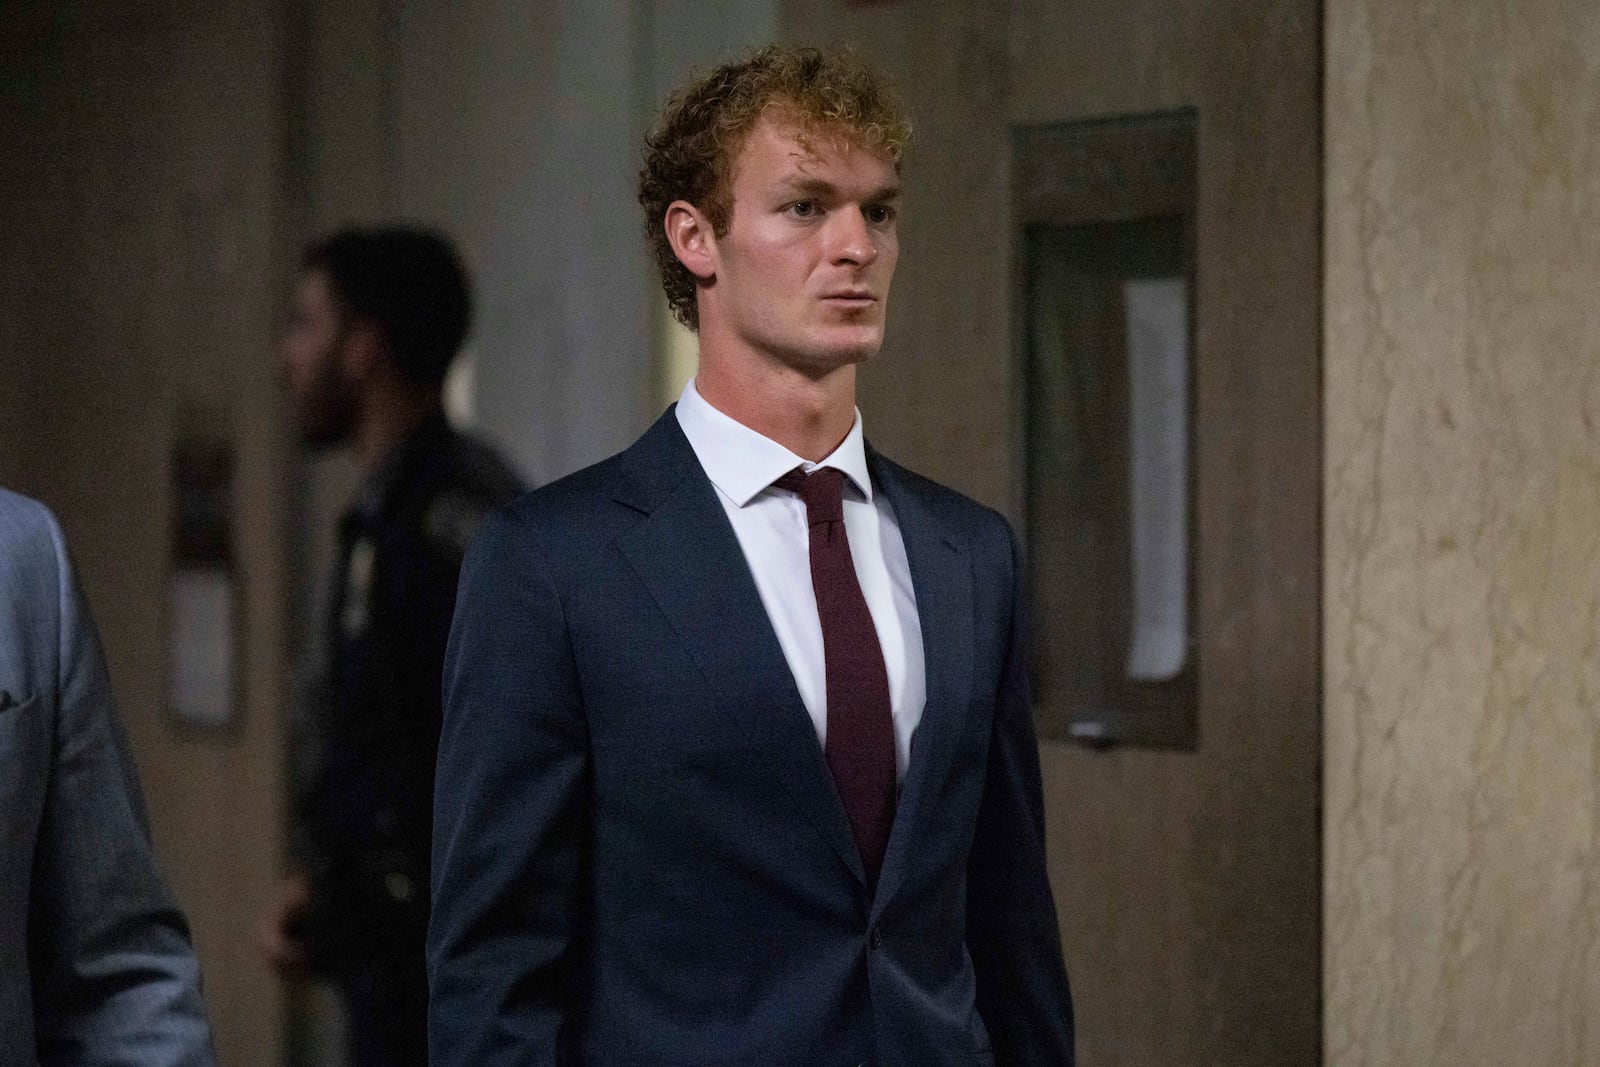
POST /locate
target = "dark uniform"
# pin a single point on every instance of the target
(364, 814)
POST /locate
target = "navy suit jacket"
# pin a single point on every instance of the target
(95, 963)
(639, 853)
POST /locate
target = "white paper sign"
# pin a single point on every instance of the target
(201, 654)
(1158, 381)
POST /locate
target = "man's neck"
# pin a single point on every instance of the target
(382, 425)
(809, 416)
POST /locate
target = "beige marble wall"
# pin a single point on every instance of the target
(1462, 531)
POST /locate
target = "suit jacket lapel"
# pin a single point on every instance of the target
(941, 574)
(687, 555)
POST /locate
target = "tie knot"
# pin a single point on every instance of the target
(822, 490)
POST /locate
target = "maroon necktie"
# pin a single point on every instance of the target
(860, 735)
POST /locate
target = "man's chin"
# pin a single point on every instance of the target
(819, 362)
(858, 351)
(849, 344)
(322, 437)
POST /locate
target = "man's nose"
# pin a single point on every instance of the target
(852, 238)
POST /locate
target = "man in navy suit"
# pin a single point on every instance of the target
(738, 765)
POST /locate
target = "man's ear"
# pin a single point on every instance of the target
(692, 238)
(363, 349)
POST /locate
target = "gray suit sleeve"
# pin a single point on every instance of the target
(114, 977)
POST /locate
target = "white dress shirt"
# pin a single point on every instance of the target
(773, 532)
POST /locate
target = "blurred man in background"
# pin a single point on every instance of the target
(377, 317)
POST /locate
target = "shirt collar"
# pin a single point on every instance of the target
(741, 462)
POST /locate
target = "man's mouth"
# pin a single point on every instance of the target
(850, 298)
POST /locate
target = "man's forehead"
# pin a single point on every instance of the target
(807, 144)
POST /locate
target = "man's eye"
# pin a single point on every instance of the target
(878, 214)
(803, 209)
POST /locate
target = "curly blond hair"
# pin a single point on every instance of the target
(689, 154)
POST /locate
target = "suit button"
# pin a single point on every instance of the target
(875, 939)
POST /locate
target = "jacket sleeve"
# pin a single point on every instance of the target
(1012, 933)
(510, 815)
(114, 976)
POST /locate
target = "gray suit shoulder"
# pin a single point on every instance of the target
(34, 583)
(28, 530)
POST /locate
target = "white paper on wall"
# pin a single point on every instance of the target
(201, 653)
(1158, 381)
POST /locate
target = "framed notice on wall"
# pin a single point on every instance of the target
(202, 600)
(1106, 283)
